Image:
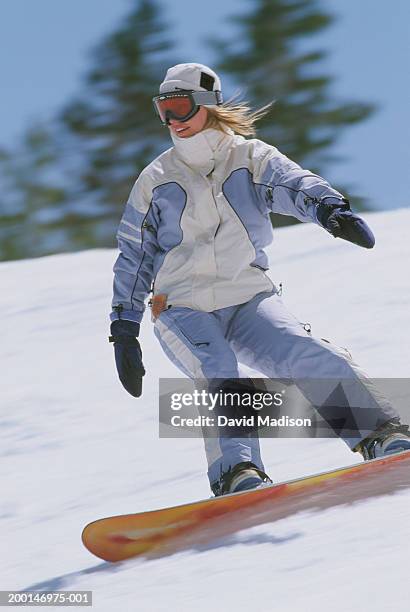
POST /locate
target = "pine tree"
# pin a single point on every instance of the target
(113, 122)
(64, 186)
(31, 196)
(269, 59)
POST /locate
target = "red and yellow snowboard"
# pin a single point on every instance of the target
(162, 532)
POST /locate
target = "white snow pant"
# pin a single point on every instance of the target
(265, 336)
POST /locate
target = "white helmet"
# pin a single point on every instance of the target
(191, 77)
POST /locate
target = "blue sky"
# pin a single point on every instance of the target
(45, 48)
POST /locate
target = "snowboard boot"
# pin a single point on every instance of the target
(391, 438)
(242, 477)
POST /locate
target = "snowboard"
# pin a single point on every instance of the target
(200, 524)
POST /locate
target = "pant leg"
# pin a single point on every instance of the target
(194, 341)
(267, 337)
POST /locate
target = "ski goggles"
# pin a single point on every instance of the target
(182, 105)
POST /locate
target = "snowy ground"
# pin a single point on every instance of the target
(76, 447)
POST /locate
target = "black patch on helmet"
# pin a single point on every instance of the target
(207, 81)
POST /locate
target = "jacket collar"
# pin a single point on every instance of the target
(202, 151)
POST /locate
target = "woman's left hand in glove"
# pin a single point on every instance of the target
(337, 217)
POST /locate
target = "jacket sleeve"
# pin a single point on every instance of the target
(287, 188)
(133, 269)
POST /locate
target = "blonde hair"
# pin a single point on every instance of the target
(238, 116)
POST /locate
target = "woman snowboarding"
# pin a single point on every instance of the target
(194, 232)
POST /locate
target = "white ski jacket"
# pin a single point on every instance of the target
(197, 222)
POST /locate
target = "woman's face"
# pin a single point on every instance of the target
(191, 127)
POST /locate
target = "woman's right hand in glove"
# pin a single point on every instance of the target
(128, 355)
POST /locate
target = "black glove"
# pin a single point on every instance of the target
(342, 222)
(128, 355)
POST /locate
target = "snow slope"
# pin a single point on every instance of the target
(75, 446)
